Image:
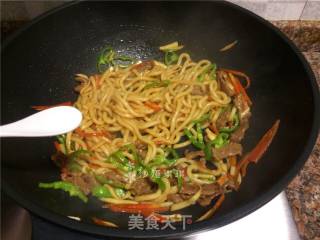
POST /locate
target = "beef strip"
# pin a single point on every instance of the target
(224, 83)
(223, 119)
(175, 197)
(142, 149)
(143, 66)
(84, 181)
(209, 191)
(197, 90)
(193, 155)
(227, 150)
(142, 186)
(238, 135)
(189, 188)
(242, 106)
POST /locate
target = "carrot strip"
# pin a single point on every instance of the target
(145, 209)
(44, 107)
(212, 210)
(241, 74)
(101, 222)
(57, 146)
(154, 106)
(82, 133)
(257, 152)
(239, 89)
(213, 128)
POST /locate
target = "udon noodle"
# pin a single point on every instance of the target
(156, 136)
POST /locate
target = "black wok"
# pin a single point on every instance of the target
(39, 62)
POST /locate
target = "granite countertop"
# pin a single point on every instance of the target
(304, 191)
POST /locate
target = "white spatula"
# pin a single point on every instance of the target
(49, 122)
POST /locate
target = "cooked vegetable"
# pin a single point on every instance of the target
(256, 153)
(170, 58)
(67, 187)
(44, 107)
(157, 84)
(101, 192)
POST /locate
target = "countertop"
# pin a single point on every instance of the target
(304, 191)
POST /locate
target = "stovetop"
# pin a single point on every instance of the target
(272, 221)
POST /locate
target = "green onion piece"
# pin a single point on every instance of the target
(124, 58)
(134, 152)
(157, 84)
(202, 119)
(207, 151)
(72, 164)
(172, 152)
(221, 140)
(68, 187)
(106, 57)
(120, 192)
(234, 127)
(212, 68)
(101, 192)
(192, 139)
(178, 175)
(170, 58)
(62, 140)
(103, 180)
(122, 166)
(200, 135)
(157, 179)
(213, 73)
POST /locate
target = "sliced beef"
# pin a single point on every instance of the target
(223, 119)
(227, 150)
(142, 186)
(225, 84)
(115, 177)
(193, 155)
(238, 135)
(209, 191)
(175, 197)
(189, 188)
(242, 106)
(142, 149)
(145, 65)
(197, 90)
(84, 181)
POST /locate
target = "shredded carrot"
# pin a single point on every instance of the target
(223, 179)
(143, 208)
(213, 128)
(240, 74)
(229, 46)
(101, 222)
(57, 146)
(145, 65)
(98, 78)
(239, 89)
(212, 210)
(233, 161)
(44, 107)
(156, 107)
(257, 152)
(82, 133)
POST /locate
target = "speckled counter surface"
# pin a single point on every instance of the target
(304, 191)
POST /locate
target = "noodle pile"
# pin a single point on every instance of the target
(141, 124)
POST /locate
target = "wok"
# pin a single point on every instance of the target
(39, 62)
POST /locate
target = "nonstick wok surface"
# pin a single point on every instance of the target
(39, 62)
